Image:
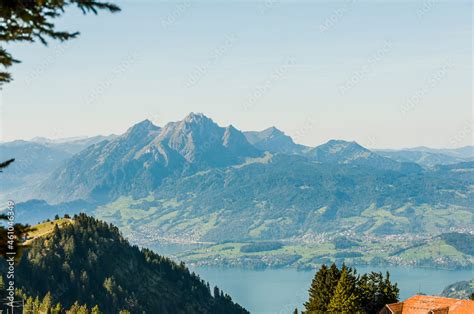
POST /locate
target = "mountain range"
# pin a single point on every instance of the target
(193, 181)
(35, 160)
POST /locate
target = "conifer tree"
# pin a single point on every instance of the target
(36, 304)
(28, 306)
(376, 291)
(318, 292)
(46, 303)
(332, 280)
(389, 291)
(345, 298)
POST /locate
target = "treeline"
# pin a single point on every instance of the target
(30, 305)
(88, 263)
(335, 290)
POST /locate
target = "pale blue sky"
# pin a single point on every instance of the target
(383, 74)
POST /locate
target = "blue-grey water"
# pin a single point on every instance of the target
(282, 290)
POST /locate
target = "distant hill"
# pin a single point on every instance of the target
(35, 160)
(343, 152)
(90, 262)
(429, 157)
(334, 151)
(459, 290)
(274, 141)
(465, 152)
(71, 145)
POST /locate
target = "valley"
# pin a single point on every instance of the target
(210, 191)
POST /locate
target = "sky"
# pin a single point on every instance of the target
(384, 74)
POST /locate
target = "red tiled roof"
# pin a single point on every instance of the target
(423, 304)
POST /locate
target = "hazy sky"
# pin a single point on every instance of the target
(383, 74)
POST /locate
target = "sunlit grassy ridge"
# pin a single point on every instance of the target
(46, 228)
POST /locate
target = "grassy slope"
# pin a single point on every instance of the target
(46, 228)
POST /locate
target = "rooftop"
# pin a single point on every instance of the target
(422, 304)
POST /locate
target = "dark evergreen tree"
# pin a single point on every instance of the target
(367, 293)
(376, 291)
(319, 292)
(345, 298)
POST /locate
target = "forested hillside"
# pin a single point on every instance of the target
(89, 262)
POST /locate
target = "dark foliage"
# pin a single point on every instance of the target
(6, 163)
(89, 262)
(343, 290)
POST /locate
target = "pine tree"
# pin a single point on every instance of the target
(28, 307)
(388, 291)
(332, 279)
(345, 298)
(318, 292)
(217, 293)
(36, 304)
(46, 303)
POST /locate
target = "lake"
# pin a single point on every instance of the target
(281, 290)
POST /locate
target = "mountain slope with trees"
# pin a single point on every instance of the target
(89, 262)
